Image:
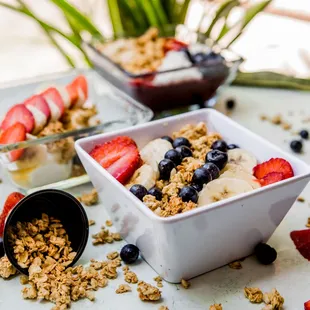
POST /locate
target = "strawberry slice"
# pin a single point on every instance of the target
(173, 45)
(55, 103)
(78, 91)
(39, 103)
(307, 305)
(9, 204)
(274, 165)
(120, 157)
(271, 178)
(300, 237)
(14, 134)
(18, 114)
(304, 250)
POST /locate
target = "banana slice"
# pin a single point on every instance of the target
(145, 176)
(154, 152)
(237, 172)
(243, 158)
(221, 189)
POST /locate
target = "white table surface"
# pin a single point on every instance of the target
(289, 274)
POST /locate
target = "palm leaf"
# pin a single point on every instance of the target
(250, 13)
(223, 11)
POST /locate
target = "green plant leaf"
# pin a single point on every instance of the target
(224, 30)
(159, 11)
(250, 13)
(84, 22)
(222, 11)
(115, 17)
(149, 13)
(183, 11)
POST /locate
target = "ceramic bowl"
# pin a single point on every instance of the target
(189, 244)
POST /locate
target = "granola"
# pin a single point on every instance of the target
(170, 203)
(108, 223)
(273, 300)
(147, 292)
(112, 255)
(216, 307)
(123, 288)
(185, 284)
(105, 236)
(159, 281)
(130, 276)
(6, 268)
(253, 294)
(89, 199)
(163, 308)
(235, 265)
(91, 222)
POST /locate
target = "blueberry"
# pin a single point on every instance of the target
(232, 146)
(218, 158)
(165, 166)
(219, 145)
(201, 176)
(139, 191)
(181, 141)
(197, 187)
(174, 156)
(188, 193)
(185, 151)
(265, 253)
(1, 248)
(169, 139)
(214, 57)
(156, 192)
(213, 170)
(296, 146)
(304, 134)
(199, 57)
(129, 253)
(230, 104)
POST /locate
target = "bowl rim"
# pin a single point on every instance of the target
(206, 208)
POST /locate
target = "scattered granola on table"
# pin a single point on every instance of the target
(108, 223)
(159, 281)
(112, 255)
(123, 288)
(273, 300)
(89, 199)
(301, 199)
(185, 284)
(216, 307)
(147, 292)
(91, 222)
(308, 222)
(253, 294)
(130, 276)
(6, 268)
(163, 308)
(235, 265)
(105, 236)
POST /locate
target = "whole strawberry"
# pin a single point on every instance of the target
(9, 204)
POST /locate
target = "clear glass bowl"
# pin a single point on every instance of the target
(186, 91)
(115, 110)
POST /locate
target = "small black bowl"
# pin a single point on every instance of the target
(58, 204)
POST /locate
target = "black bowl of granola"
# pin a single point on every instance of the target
(46, 229)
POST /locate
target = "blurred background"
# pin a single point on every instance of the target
(275, 39)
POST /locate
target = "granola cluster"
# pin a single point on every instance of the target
(6, 268)
(90, 198)
(185, 284)
(159, 281)
(216, 307)
(137, 55)
(44, 239)
(78, 118)
(123, 288)
(130, 276)
(171, 204)
(105, 236)
(273, 300)
(147, 292)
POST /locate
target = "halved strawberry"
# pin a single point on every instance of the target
(55, 102)
(300, 237)
(271, 178)
(40, 103)
(120, 157)
(273, 165)
(14, 134)
(18, 114)
(78, 90)
(307, 305)
(9, 204)
(173, 45)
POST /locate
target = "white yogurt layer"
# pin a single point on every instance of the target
(174, 60)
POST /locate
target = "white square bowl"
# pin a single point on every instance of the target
(189, 244)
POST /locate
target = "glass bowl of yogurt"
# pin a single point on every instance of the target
(163, 71)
